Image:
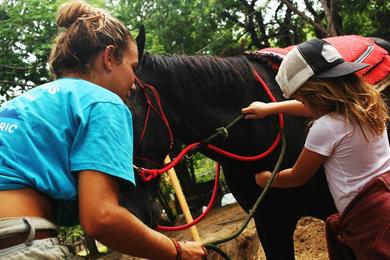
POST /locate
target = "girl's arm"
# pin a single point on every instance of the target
(307, 164)
(258, 110)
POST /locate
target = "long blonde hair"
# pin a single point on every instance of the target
(87, 31)
(350, 97)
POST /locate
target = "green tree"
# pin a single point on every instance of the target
(27, 29)
(26, 32)
(342, 17)
(172, 26)
(369, 18)
(223, 27)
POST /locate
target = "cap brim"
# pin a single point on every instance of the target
(342, 69)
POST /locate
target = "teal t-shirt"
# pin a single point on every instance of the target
(53, 131)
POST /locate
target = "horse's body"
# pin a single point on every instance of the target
(200, 94)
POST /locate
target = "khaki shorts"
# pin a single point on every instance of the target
(48, 248)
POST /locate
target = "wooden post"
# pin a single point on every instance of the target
(182, 201)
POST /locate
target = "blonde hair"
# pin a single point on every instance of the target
(88, 30)
(350, 97)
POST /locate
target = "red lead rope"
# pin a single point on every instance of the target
(148, 174)
(209, 206)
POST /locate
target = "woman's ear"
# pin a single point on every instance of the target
(108, 57)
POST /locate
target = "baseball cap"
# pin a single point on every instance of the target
(313, 58)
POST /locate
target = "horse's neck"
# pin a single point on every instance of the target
(195, 124)
(195, 121)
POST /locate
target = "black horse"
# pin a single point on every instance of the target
(202, 93)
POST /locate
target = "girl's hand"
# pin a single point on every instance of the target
(256, 110)
(262, 178)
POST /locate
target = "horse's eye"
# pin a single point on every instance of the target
(135, 67)
(132, 94)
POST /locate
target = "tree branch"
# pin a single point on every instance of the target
(309, 6)
(332, 17)
(18, 68)
(232, 18)
(305, 17)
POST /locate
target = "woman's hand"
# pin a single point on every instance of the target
(262, 178)
(193, 250)
(257, 110)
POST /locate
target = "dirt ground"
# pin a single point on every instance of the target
(220, 223)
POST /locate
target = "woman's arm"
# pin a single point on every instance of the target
(307, 164)
(258, 109)
(103, 219)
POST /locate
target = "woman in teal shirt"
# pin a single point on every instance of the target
(71, 141)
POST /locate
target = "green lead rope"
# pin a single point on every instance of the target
(212, 245)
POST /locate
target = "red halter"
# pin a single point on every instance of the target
(158, 110)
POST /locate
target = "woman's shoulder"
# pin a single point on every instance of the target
(86, 91)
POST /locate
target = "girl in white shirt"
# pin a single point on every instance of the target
(347, 136)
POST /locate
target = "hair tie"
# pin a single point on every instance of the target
(99, 17)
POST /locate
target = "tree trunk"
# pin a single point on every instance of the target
(333, 18)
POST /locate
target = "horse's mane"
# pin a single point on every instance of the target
(201, 76)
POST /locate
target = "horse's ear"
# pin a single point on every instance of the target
(140, 39)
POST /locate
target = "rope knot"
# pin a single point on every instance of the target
(223, 131)
(144, 174)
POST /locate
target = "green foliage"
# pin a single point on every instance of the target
(165, 185)
(26, 32)
(225, 27)
(369, 18)
(69, 235)
(171, 26)
(204, 168)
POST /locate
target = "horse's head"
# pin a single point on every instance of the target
(152, 135)
(151, 144)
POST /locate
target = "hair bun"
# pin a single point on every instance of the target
(69, 12)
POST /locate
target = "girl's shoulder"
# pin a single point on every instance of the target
(334, 123)
(331, 119)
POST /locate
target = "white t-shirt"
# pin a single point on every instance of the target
(352, 160)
